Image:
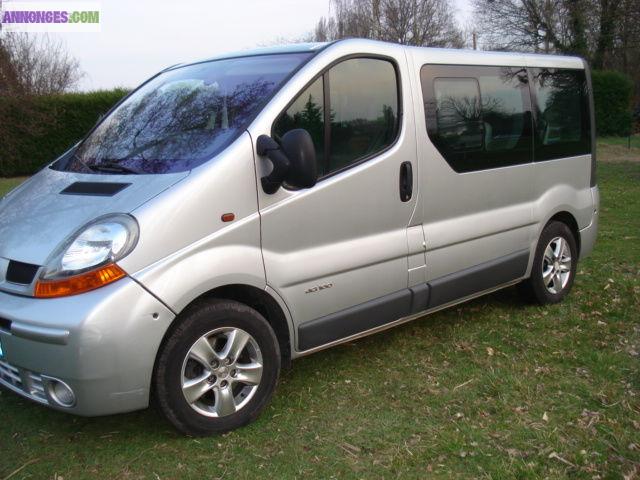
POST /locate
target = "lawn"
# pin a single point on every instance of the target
(634, 141)
(491, 389)
(7, 184)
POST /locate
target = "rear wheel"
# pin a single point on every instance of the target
(218, 369)
(554, 265)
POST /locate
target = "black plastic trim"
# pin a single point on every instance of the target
(95, 189)
(406, 181)
(420, 295)
(5, 325)
(476, 279)
(21, 273)
(353, 320)
(389, 308)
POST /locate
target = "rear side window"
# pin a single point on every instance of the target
(458, 119)
(351, 112)
(562, 113)
(478, 117)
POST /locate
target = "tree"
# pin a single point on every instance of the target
(409, 22)
(608, 17)
(524, 25)
(36, 65)
(605, 32)
(30, 66)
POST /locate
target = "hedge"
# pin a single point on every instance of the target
(34, 131)
(612, 93)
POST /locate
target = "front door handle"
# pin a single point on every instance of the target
(406, 181)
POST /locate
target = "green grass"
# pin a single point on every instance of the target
(491, 389)
(622, 141)
(7, 184)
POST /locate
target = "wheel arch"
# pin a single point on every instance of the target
(570, 221)
(258, 299)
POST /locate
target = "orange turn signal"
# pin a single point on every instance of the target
(84, 282)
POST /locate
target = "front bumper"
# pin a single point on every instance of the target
(102, 344)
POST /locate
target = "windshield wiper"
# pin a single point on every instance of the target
(113, 167)
(77, 158)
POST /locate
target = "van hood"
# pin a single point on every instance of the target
(44, 211)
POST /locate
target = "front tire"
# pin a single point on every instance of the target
(554, 265)
(218, 368)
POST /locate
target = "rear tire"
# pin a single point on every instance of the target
(554, 265)
(218, 368)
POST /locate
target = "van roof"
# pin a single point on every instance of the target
(486, 57)
(272, 50)
(309, 47)
(426, 54)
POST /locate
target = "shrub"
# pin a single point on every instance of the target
(612, 93)
(35, 130)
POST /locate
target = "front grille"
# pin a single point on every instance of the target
(21, 273)
(24, 382)
(10, 374)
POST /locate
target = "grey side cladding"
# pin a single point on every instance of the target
(354, 320)
(479, 278)
(386, 309)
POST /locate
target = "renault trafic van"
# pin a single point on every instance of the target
(233, 214)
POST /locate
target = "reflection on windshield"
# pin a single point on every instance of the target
(183, 117)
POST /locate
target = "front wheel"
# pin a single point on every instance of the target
(554, 265)
(218, 369)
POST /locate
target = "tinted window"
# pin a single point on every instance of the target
(184, 116)
(478, 117)
(364, 109)
(306, 111)
(459, 125)
(562, 113)
(363, 117)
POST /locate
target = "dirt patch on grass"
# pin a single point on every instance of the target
(618, 153)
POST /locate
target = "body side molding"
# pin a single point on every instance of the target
(476, 279)
(412, 301)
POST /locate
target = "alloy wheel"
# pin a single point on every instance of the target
(556, 265)
(221, 372)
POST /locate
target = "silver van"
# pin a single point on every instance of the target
(236, 213)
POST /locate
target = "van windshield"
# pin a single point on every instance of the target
(183, 117)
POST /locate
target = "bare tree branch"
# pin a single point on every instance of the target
(36, 65)
(409, 22)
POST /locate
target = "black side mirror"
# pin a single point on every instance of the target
(294, 162)
(269, 147)
(299, 149)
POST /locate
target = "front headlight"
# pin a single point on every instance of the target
(88, 259)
